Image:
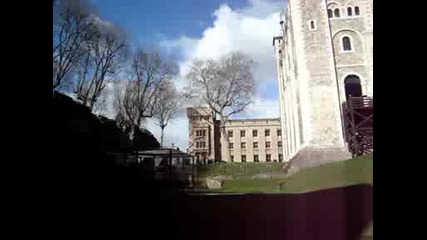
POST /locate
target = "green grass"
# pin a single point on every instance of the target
(237, 170)
(337, 174)
(252, 185)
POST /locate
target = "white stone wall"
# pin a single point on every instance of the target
(248, 125)
(311, 78)
(358, 61)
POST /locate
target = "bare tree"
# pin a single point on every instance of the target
(138, 100)
(225, 85)
(166, 106)
(104, 54)
(69, 25)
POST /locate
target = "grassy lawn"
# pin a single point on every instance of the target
(338, 174)
(237, 170)
(253, 185)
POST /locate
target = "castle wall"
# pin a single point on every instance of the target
(315, 65)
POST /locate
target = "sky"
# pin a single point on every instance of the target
(191, 29)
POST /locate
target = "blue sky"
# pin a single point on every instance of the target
(155, 20)
(205, 29)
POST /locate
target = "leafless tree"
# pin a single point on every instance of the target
(138, 100)
(104, 56)
(70, 22)
(166, 106)
(226, 85)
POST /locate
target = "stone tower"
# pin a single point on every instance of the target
(324, 54)
(203, 134)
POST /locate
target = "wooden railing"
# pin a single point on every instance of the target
(358, 124)
(360, 102)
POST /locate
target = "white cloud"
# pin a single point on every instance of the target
(249, 30)
(262, 108)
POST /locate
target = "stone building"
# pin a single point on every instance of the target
(254, 140)
(324, 54)
(250, 140)
(203, 134)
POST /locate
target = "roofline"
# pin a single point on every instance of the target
(253, 119)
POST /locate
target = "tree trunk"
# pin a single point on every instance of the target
(161, 136)
(225, 151)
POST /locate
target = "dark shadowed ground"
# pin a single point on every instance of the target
(340, 213)
(334, 214)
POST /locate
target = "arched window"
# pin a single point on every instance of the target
(337, 13)
(311, 24)
(349, 11)
(356, 11)
(346, 44)
(329, 13)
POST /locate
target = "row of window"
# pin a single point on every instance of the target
(256, 158)
(254, 133)
(255, 145)
(200, 144)
(199, 118)
(201, 133)
(336, 12)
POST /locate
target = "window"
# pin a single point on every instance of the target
(267, 144)
(201, 133)
(279, 144)
(279, 132)
(242, 133)
(230, 133)
(200, 144)
(268, 157)
(329, 13)
(231, 145)
(267, 133)
(232, 158)
(243, 145)
(280, 158)
(356, 11)
(312, 25)
(243, 158)
(346, 44)
(349, 11)
(256, 158)
(337, 13)
(255, 145)
(254, 133)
